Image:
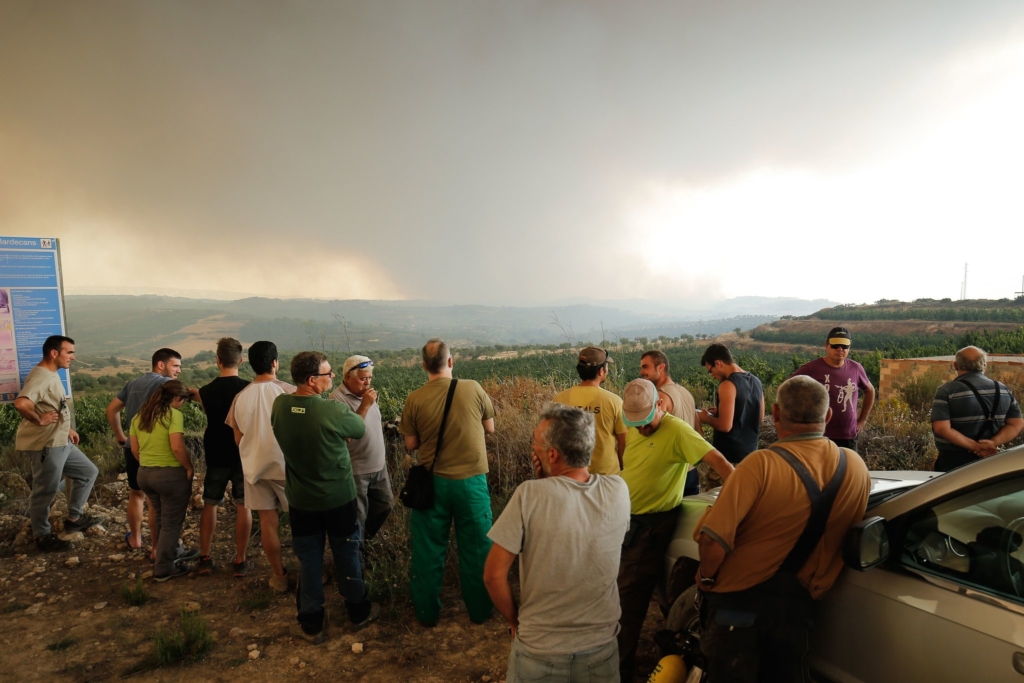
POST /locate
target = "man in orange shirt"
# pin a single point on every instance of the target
(772, 542)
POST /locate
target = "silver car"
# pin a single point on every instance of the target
(933, 589)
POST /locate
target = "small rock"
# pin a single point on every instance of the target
(254, 654)
(72, 537)
(123, 476)
(191, 607)
(131, 575)
(293, 661)
(97, 530)
(302, 665)
(485, 678)
(357, 647)
(235, 632)
(250, 648)
(85, 614)
(99, 605)
(147, 575)
(72, 562)
(34, 609)
(40, 595)
(117, 557)
(197, 501)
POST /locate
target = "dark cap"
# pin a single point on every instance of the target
(839, 335)
(593, 356)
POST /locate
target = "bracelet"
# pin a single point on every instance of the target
(705, 580)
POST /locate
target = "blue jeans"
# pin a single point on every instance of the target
(599, 665)
(310, 530)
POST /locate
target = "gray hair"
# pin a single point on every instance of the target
(971, 359)
(802, 400)
(435, 355)
(570, 432)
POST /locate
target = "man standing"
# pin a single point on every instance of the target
(973, 415)
(764, 557)
(166, 366)
(739, 405)
(46, 438)
(260, 454)
(566, 524)
(659, 452)
(460, 485)
(676, 399)
(606, 407)
(223, 464)
(374, 498)
(312, 433)
(844, 379)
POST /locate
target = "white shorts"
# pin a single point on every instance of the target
(266, 494)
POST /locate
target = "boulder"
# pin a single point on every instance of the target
(13, 485)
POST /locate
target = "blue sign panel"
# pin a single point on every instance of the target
(31, 308)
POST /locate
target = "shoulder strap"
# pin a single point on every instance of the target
(821, 508)
(990, 413)
(444, 421)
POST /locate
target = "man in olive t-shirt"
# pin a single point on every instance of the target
(606, 407)
(460, 485)
(312, 433)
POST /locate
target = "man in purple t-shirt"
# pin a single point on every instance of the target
(844, 379)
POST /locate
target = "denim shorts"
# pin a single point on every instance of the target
(216, 483)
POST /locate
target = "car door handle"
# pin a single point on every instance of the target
(1018, 662)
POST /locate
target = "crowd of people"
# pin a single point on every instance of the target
(590, 531)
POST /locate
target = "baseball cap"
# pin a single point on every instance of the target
(592, 356)
(639, 402)
(352, 361)
(839, 335)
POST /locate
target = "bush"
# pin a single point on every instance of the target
(919, 391)
(188, 643)
(135, 594)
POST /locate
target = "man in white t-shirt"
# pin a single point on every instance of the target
(567, 528)
(374, 498)
(262, 459)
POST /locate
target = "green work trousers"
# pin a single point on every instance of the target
(469, 504)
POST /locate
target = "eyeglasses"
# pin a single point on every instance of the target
(840, 346)
(324, 374)
(362, 366)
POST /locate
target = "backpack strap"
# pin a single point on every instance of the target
(821, 508)
(990, 413)
(444, 421)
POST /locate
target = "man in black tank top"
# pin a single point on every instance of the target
(739, 405)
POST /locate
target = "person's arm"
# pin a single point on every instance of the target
(238, 435)
(761, 420)
(1012, 427)
(135, 446)
(722, 422)
(719, 464)
(114, 409)
(620, 447)
(412, 443)
(496, 569)
(180, 452)
(27, 409)
(865, 408)
(73, 437)
(943, 429)
(666, 401)
(488, 425)
(712, 554)
(366, 402)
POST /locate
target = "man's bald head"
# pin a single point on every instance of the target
(971, 359)
(435, 355)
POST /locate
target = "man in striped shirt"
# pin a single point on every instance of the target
(973, 415)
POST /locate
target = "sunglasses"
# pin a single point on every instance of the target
(362, 366)
(840, 346)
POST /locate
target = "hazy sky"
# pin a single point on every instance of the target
(519, 152)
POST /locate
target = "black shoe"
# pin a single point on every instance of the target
(372, 616)
(180, 569)
(183, 555)
(51, 544)
(82, 523)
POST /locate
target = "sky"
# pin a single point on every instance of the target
(519, 153)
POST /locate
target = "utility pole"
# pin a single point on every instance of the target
(963, 285)
(1020, 294)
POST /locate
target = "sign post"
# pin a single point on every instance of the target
(31, 308)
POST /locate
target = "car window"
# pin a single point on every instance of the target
(974, 539)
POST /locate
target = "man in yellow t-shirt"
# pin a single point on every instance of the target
(606, 407)
(660, 450)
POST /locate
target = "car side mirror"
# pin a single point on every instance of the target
(866, 544)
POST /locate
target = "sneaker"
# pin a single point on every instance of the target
(182, 555)
(205, 565)
(312, 638)
(242, 568)
(82, 523)
(181, 569)
(51, 544)
(279, 584)
(372, 616)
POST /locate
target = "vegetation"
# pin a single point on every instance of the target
(135, 594)
(999, 311)
(65, 643)
(189, 642)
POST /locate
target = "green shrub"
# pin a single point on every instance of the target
(188, 643)
(135, 594)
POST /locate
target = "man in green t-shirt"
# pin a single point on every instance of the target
(312, 433)
(660, 449)
(46, 438)
(460, 486)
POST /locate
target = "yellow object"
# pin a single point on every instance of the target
(670, 669)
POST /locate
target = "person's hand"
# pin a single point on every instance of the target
(48, 418)
(712, 411)
(73, 437)
(985, 448)
(860, 425)
(368, 399)
(189, 473)
(122, 441)
(538, 471)
(513, 629)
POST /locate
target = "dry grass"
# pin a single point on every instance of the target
(896, 438)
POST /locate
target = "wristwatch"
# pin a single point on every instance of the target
(706, 581)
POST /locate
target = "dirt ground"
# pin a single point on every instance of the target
(49, 600)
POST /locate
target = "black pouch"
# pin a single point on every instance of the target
(418, 491)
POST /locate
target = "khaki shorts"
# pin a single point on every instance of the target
(266, 494)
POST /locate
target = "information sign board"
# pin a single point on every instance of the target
(31, 308)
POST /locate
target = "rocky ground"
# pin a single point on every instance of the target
(65, 618)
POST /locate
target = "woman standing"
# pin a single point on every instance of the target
(165, 472)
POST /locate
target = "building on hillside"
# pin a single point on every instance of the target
(895, 370)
